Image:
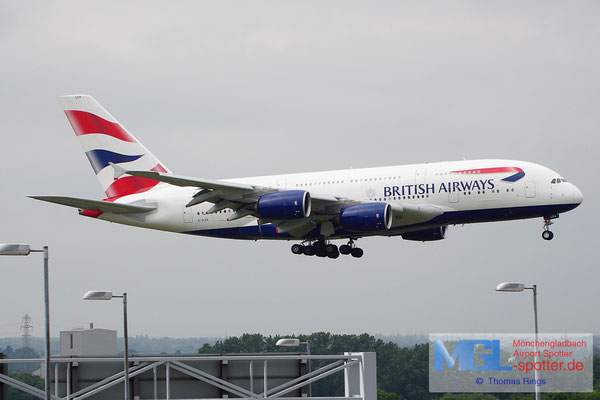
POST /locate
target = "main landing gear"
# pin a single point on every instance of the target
(547, 233)
(321, 248)
(351, 248)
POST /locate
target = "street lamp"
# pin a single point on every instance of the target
(519, 287)
(289, 342)
(17, 249)
(105, 295)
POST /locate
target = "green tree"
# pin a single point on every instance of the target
(401, 371)
(468, 396)
(384, 395)
(14, 394)
(8, 351)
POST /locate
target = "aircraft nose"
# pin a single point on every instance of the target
(576, 195)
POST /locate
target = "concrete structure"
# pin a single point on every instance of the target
(88, 342)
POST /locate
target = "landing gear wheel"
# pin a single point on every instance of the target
(297, 249)
(320, 252)
(345, 249)
(331, 249)
(308, 250)
(357, 252)
(547, 235)
(334, 255)
(318, 245)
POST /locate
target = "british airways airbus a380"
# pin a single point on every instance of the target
(416, 202)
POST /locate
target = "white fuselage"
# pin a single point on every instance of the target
(466, 192)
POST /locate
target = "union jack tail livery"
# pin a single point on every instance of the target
(107, 143)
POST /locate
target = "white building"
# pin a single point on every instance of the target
(88, 342)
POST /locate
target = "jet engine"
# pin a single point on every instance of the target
(289, 204)
(366, 217)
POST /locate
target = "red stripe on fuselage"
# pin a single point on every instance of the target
(85, 123)
(132, 184)
(488, 170)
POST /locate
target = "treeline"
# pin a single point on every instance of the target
(142, 344)
(23, 352)
(32, 380)
(139, 344)
(402, 372)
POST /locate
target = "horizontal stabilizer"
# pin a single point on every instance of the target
(96, 205)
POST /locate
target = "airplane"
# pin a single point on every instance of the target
(416, 202)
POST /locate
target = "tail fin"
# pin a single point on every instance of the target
(105, 141)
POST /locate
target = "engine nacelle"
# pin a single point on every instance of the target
(427, 235)
(366, 217)
(289, 204)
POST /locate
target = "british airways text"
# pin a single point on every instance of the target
(444, 187)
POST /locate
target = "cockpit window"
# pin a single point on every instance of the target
(553, 180)
(558, 180)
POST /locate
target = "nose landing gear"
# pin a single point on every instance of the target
(547, 233)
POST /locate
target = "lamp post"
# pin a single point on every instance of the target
(104, 295)
(17, 249)
(519, 287)
(288, 342)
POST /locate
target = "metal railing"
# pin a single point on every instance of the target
(359, 376)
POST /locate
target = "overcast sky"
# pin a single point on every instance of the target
(226, 89)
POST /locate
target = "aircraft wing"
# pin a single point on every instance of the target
(194, 182)
(216, 191)
(96, 205)
(242, 198)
